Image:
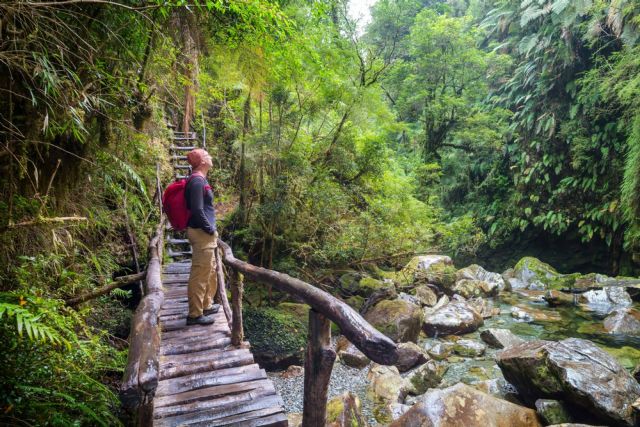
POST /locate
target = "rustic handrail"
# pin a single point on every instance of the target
(142, 370)
(375, 345)
(319, 356)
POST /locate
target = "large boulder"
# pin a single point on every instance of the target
(484, 307)
(423, 269)
(345, 411)
(461, 405)
(397, 319)
(573, 370)
(386, 387)
(623, 321)
(531, 273)
(457, 317)
(476, 281)
(500, 338)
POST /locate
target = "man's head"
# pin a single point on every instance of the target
(198, 158)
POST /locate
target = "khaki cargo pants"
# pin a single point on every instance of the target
(203, 279)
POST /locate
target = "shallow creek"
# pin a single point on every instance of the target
(579, 321)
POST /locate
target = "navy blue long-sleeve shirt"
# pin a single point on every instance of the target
(199, 197)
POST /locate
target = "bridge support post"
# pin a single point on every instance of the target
(237, 289)
(318, 364)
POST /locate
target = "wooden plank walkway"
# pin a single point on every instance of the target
(204, 380)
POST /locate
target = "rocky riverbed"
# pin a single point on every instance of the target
(526, 347)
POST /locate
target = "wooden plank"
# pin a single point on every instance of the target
(211, 365)
(209, 393)
(211, 378)
(196, 331)
(272, 416)
(200, 356)
(212, 410)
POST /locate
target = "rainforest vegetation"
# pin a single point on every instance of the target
(482, 129)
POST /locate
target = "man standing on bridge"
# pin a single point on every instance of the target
(203, 236)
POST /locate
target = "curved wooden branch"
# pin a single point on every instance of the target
(375, 345)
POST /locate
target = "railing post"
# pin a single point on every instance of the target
(237, 289)
(318, 363)
(222, 289)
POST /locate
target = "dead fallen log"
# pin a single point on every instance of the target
(118, 282)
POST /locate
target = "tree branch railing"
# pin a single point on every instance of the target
(319, 356)
(142, 370)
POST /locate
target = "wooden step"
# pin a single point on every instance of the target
(208, 365)
(182, 147)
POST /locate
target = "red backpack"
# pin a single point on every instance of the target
(174, 204)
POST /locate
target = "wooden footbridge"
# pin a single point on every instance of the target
(180, 375)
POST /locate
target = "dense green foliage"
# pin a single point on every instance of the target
(445, 125)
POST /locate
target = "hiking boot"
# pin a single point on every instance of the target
(200, 320)
(213, 310)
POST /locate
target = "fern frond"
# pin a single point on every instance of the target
(129, 174)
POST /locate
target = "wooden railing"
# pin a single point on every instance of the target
(319, 356)
(142, 371)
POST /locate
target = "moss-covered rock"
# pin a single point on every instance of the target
(435, 269)
(345, 411)
(531, 273)
(397, 319)
(278, 338)
(299, 311)
(426, 376)
(552, 411)
(357, 284)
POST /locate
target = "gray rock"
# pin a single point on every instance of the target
(552, 411)
(426, 376)
(478, 281)
(350, 355)
(425, 295)
(444, 300)
(606, 299)
(409, 355)
(484, 307)
(440, 350)
(436, 269)
(576, 371)
(461, 405)
(386, 387)
(500, 338)
(623, 321)
(469, 348)
(457, 317)
(409, 298)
